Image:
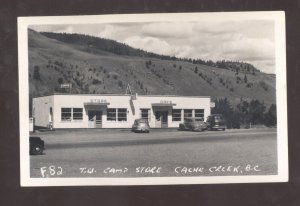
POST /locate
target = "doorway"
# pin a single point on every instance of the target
(161, 119)
(95, 119)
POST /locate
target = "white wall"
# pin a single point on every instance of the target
(41, 110)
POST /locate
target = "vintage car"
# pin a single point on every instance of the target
(36, 146)
(216, 122)
(141, 125)
(193, 124)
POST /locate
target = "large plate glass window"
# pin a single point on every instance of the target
(199, 114)
(111, 115)
(66, 114)
(122, 114)
(176, 115)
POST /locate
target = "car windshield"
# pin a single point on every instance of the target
(218, 118)
(142, 121)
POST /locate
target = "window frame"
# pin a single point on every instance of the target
(190, 114)
(145, 109)
(176, 118)
(111, 119)
(76, 118)
(65, 119)
(199, 114)
(122, 112)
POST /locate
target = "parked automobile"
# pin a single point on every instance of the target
(141, 125)
(36, 145)
(216, 122)
(193, 124)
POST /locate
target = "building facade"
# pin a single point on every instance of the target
(116, 111)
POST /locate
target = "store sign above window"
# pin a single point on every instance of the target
(165, 102)
(98, 101)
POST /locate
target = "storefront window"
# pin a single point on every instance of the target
(176, 115)
(122, 114)
(199, 114)
(77, 113)
(111, 115)
(66, 114)
(188, 113)
(145, 114)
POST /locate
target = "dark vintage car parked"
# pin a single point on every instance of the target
(141, 125)
(37, 145)
(216, 122)
(193, 124)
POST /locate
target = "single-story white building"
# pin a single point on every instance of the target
(116, 110)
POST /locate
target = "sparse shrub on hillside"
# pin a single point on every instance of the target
(264, 85)
(221, 80)
(174, 65)
(78, 74)
(96, 81)
(164, 69)
(237, 71)
(36, 73)
(108, 76)
(180, 67)
(249, 85)
(196, 70)
(231, 89)
(120, 83)
(245, 79)
(238, 79)
(60, 80)
(104, 71)
(115, 77)
(200, 74)
(148, 64)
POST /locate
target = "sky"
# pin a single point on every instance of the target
(249, 41)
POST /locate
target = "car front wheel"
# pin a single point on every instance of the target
(37, 149)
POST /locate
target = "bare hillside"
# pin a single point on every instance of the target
(94, 70)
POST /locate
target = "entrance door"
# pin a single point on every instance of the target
(95, 119)
(161, 119)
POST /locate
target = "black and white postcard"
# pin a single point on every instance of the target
(153, 99)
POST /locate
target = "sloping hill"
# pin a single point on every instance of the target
(92, 68)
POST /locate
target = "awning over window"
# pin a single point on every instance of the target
(163, 104)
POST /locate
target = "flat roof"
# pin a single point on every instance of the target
(143, 95)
